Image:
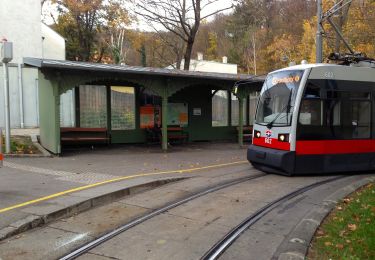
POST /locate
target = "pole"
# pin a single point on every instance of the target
(1, 147)
(20, 89)
(319, 39)
(6, 107)
(254, 55)
(240, 122)
(164, 118)
(339, 34)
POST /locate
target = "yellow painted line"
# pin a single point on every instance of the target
(55, 195)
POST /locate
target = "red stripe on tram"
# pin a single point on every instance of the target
(335, 147)
(271, 143)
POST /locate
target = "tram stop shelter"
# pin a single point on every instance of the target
(128, 101)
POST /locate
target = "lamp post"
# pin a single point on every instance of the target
(6, 57)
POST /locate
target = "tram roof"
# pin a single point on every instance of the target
(308, 66)
(316, 65)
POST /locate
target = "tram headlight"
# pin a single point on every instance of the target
(257, 134)
(283, 137)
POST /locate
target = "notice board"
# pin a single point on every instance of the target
(178, 114)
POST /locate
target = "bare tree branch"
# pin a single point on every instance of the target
(180, 17)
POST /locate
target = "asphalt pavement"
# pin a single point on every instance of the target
(36, 191)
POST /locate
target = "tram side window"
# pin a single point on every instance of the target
(333, 112)
(311, 112)
(361, 119)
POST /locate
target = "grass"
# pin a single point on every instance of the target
(349, 231)
(21, 145)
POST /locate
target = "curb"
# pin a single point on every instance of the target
(33, 221)
(297, 243)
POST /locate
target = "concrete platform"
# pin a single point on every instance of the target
(35, 191)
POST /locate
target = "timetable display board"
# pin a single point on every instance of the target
(178, 114)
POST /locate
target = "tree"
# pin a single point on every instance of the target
(179, 17)
(142, 52)
(86, 17)
(117, 19)
(282, 51)
(91, 26)
(212, 46)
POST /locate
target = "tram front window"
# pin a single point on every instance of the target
(277, 98)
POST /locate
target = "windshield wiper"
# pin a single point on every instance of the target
(287, 108)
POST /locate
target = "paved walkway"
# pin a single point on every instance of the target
(32, 189)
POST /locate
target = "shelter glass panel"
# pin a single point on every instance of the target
(93, 106)
(253, 101)
(67, 109)
(122, 108)
(235, 114)
(220, 105)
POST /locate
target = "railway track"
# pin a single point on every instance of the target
(87, 247)
(219, 248)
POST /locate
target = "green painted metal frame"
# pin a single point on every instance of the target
(242, 92)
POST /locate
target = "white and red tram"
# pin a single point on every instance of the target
(315, 118)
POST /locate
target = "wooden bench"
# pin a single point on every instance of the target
(247, 132)
(177, 133)
(73, 135)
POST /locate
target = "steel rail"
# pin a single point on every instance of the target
(220, 247)
(84, 249)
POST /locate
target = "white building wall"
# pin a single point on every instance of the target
(53, 44)
(212, 66)
(209, 66)
(20, 24)
(30, 97)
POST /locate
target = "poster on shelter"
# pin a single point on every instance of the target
(178, 114)
(147, 116)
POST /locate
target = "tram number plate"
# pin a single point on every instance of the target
(268, 140)
(329, 74)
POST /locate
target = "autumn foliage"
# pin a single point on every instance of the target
(259, 35)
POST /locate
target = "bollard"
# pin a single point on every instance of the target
(1, 147)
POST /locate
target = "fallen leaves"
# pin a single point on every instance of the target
(352, 227)
(340, 246)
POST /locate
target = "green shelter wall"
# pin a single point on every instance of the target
(49, 114)
(200, 127)
(128, 136)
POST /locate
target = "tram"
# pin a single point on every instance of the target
(315, 119)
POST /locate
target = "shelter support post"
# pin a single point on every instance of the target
(240, 123)
(164, 130)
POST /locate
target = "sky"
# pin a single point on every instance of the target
(49, 9)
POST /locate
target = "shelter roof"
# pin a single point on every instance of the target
(125, 69)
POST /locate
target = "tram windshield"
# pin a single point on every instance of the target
(277, 98)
